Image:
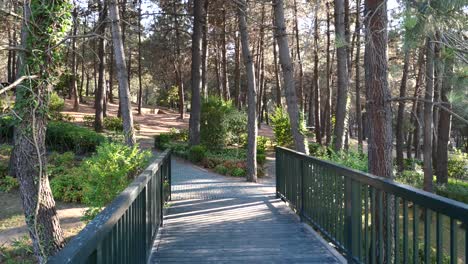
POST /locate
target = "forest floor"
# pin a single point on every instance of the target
(152, 121)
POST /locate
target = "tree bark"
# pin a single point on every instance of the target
(126, 107)
(224, 71)
(178, 63)
(379, 113)
(428, 115)
(204, 55)
(341, 114)
(251, 95)
(140, 84)
(444, 124)
(438, 72)
(288, 78)
(275, 62)
(300, 90)
(74, 66)
(400, 117)
(328, 94)
(237, 75)
(194, 122)
(416, 115)
(30, 160)
(318, 134)
(101, 90)
(358, 75)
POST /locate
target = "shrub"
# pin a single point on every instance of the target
(196, 153)
(351, 159)
(63, 137)
(236, 126)
(56, 103)
(237, 172)
(161, 140)
(221, 169)
(69, 187)
(7, 124)
(411, 177)
(261, 159)
(178, 135)
(113, 123)
(88, 120)
(216, 118)
(59, 164)
(458, 165)
(8, 183)
(456, 190)
(281, 127)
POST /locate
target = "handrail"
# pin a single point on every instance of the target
(125, 230)
(355, 211)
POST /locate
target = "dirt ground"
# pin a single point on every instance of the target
(152, 122)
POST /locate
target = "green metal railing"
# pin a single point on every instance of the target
(125, 230)
(371, 219)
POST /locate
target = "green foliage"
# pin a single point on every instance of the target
(238, 172)
(411, 177)
(7, 124)
(168, 97)
(88, 120)
(458, 165)
(350, 158)
(56, 103)
(161, 141)
(113, 123)
(454, 189)
(68, 187)
(221, 169)
(8, 184)
(281, 127)
(59, 164)
(196, 153)
(262, 143)
(221, 123)
(63, 136)
(109, 171)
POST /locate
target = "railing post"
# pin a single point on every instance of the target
(277, 171)
(301, 188)
(169, 174)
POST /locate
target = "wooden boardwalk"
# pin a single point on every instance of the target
(216, 219)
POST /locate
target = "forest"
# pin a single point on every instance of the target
(89, 88)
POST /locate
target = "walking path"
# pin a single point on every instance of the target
(217, 219)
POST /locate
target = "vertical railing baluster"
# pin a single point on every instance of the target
(405, 232)
(380, 226)
(397, 229)
(439, 238)
(373, 226)
(453, 241)
(415, 234)
(427, 235)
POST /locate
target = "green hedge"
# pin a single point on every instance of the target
(63, 137)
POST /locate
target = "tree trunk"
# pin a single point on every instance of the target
(428, 115)
(251, 95)
(198, 17)
(224, 71)
(74, 66)
(140, 84)
(358, 76)
(379, 113)
(204, 55)
(237, 75)
(416, 110)
(318, 134)
(126, 107)
(288, 79)
(400, 117)
(341, 114)
(444, 124)
(277, 80)
(300, 90)
(438, 71)
(101, 90)
(179, 74)
(30, 159)
(328, 94)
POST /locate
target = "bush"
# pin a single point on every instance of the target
(69, 187)
(411, 177)
(261, 159)
(161, 140)
(113, 123)
(196, 153)
(56, 103)
(281, 127)
(88, 120)
(63, 137)
(221, 169)
(456, 190)
(7, 124)
(59, 164)
(458, 165)
(8, 183)
(238, 172)
(217, 117)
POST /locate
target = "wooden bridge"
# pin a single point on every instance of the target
(216, 219)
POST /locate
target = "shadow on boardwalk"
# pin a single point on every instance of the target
(217, 219)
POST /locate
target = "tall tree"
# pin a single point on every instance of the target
(198, 17)
(428, 115)
(140, 83)
(74, 64)
(32, 101)
(328, 94)
(300, 90)
(124, 92)
(316, 87)
(100, 90)
(204, 56)
(341, 113)
(251, 95)
(288, 78)
(379, 110)
(224, 62)
(444, 122)
(358, 75)
(401, 112)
